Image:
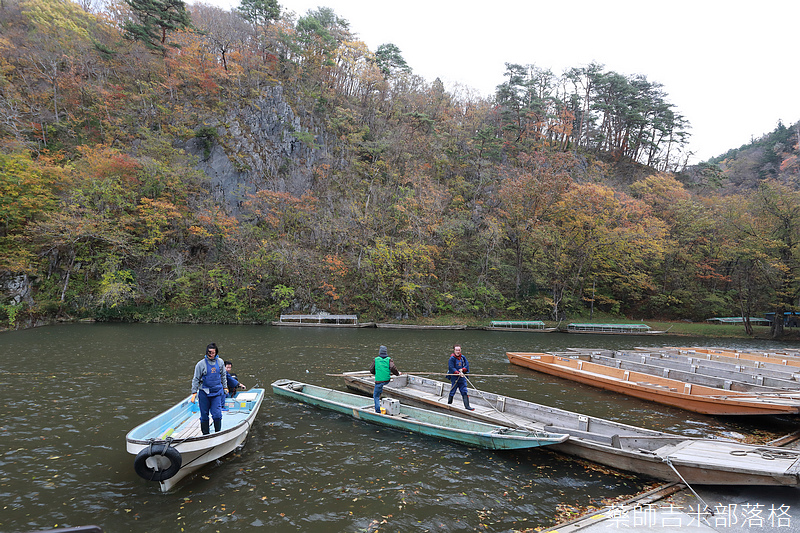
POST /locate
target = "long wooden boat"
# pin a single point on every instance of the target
(687, 372)
(721, 365)
(657, 454)
(388, 325)
(612, 329)
(528, 326)
(697, 398)
(417, 420)
(774, 358)
(170, 446)
(322, 320)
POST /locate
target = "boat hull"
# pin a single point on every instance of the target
(490, 436)
(699, 399)
(613, 444)
(178, 428)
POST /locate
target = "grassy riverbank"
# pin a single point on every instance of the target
(220, 316)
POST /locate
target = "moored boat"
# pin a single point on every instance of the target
(690, 372)
(657, 454)
(417, 420)
(171, 446)
(528, 326)
(720, 365)
(322, 320)
(785, 359)
(389, 325)
(612, 329)
(697, 398)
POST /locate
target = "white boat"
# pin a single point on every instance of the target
(170, 446)
(661, 455)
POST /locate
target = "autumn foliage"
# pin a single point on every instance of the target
(559, 193)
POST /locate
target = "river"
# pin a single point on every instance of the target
(72, 392)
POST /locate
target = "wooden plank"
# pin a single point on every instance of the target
(187, 430)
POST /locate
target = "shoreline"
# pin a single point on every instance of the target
(662, 329)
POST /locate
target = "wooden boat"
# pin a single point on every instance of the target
(657, 454)
(752, 370)
(170, 446)
(697, 398)
(416, 420)
(322, 320)
(613, 329)
(530, 326)
(387, 325)
(769, 358)
(687, 372)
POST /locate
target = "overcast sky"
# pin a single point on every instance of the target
(732, 68)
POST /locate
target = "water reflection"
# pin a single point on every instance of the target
(74, 391)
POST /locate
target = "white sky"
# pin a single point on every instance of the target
(732, 68)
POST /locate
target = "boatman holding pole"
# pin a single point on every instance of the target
(383, 367)
(457, 368)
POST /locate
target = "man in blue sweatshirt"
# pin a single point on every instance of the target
(457, 368)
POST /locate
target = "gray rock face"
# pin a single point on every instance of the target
(17, 288)
(261, 146)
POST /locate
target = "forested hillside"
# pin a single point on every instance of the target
(168, 162)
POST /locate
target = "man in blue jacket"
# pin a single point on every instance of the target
(382, 367)
(457, 368)
(233, 380)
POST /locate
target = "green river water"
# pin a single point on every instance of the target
(70, 394)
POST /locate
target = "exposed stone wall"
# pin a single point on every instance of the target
(16, 289)
(260, 147)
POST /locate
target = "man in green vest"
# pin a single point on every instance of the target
(382, 367)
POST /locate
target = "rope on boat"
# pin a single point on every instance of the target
(708, 509)
(531, 431)
(767, 453)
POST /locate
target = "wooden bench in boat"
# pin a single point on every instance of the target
(656, 386)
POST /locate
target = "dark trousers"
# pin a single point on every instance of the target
(460, 385)
(376, 394)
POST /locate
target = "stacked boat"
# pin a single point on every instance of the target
(657, 454)
(707, 394)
